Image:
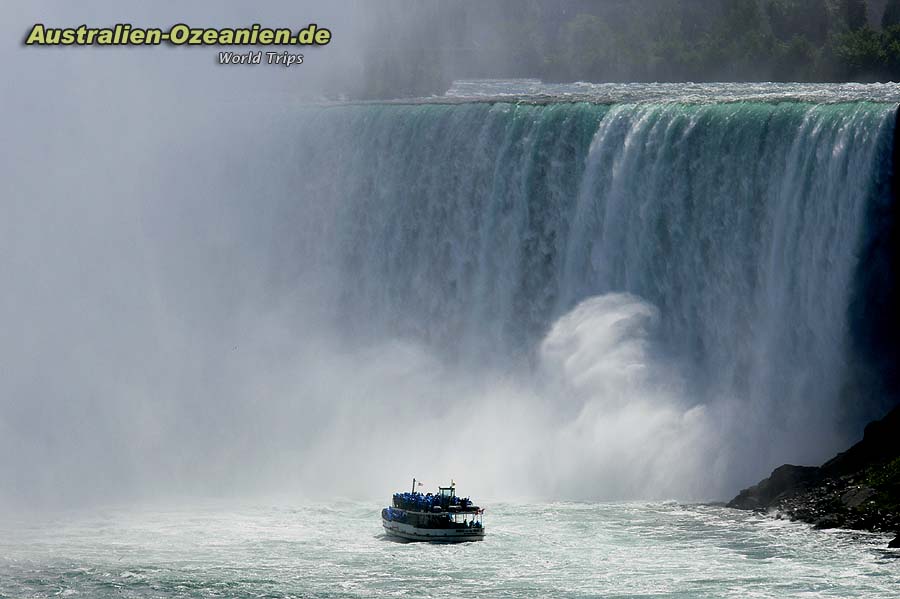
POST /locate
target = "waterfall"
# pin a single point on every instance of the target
(474, 227)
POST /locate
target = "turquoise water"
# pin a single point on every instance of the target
(550, 550)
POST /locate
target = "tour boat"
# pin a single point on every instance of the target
(435, 518)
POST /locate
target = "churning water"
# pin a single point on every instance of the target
(549, 550)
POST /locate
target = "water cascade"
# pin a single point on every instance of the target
(474, 227)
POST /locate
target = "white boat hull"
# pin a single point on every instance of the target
(407, 532)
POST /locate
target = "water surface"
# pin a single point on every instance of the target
(550, 550)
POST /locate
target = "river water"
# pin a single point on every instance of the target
(662, 549)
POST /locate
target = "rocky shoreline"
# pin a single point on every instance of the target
(858, 489)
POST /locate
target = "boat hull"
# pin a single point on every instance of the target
(408, 532)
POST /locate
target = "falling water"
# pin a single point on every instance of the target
(474, 226)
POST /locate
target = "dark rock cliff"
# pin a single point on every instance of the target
(859, 488)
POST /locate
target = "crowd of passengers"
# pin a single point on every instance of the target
(418, 501)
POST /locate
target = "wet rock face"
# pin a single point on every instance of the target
(857, 495)
(839, 503)
(785, 481)
(857, 489)
(895, 544)
(829, 521)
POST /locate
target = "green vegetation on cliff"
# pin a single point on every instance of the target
(885, 480)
